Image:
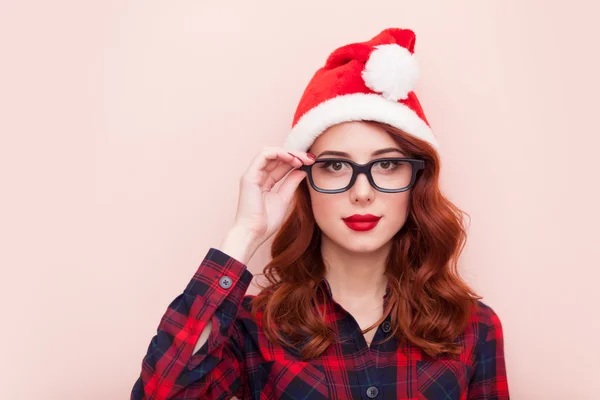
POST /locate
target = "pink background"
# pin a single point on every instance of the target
(113, 112)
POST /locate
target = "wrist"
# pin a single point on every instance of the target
(240, 244)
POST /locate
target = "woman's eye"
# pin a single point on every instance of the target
(388, 165)
(333, 165)
(385, 164)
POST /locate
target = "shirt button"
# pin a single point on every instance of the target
(372, 392)
(225, 282)
(386, 326)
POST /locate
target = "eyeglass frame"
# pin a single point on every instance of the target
(416, 164)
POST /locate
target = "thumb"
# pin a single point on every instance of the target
(289, 185)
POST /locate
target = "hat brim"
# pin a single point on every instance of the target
(356, 107)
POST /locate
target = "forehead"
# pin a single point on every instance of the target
(354, 137)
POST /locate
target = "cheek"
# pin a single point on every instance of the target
(325, 207)
(397, 209)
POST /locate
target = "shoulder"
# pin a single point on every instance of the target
(489, 376)
(485, 322)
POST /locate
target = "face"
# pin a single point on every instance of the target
(359, 140)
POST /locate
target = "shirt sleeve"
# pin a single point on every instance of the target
(489, 381)
(216, 370)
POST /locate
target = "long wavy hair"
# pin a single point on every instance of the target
(429, 304)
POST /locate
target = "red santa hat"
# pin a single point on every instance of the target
(371, 80)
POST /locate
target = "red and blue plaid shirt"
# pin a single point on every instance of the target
(238, 360)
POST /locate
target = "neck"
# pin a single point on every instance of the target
(355, 278)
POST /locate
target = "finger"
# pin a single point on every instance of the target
(274, 165)
(264, 161)
(303, 156)
(289, 185)
(273, 153)
(277, 169)
(281, 171)
(268, 155)
(268, 159)
(276, 175)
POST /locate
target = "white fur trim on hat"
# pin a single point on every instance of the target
(356, 107)
(391, 70)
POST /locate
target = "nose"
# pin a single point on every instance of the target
(362, 191)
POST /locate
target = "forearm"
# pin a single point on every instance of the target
(171, 357)
(241, 246)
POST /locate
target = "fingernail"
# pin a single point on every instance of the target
(311, 156)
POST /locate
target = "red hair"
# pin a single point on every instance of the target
(429, 303)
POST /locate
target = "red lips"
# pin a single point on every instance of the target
(362, 218)
(359, 222)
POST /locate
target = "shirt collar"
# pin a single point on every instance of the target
(326, 288)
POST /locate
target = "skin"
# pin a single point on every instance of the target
(355, 261)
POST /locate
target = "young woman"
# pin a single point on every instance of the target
(362, 299)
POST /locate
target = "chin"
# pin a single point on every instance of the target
(353, 243)
(364, 246)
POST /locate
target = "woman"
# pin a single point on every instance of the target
(363, 298)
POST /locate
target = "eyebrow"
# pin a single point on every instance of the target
(375, 153)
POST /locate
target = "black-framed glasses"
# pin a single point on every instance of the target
(388, 175)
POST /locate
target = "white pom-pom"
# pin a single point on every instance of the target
(391, 70)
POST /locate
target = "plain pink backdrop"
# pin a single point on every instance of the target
(112, 112)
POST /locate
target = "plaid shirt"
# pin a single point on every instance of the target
(238, 360)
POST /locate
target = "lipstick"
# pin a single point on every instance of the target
(361, 223)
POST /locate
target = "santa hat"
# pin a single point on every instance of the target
(371, 80)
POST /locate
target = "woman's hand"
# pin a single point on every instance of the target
(260, 210)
